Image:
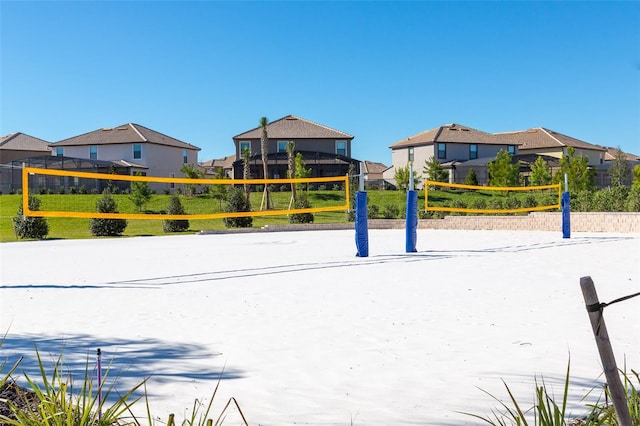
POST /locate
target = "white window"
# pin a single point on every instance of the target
(341, 148)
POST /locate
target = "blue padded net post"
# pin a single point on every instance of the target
(412, 221)
(566, 215)
(362, 230)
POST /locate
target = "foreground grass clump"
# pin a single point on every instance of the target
(546, 411)
(52, 400)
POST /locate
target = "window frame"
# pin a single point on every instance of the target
(244, 143)
(338, 143)
(282, 145)
(137, 151)
(185, 156)
(441, 153)
(511, 149)
(59, 151)
(473, 151)
(93, 152)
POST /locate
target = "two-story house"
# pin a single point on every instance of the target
(451, 145)
(326, 151)
(134, 146)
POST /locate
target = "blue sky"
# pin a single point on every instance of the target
(204, 72)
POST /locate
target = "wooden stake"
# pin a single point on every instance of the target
(603, 343)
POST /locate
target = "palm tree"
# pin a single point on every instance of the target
(292, 170)
(266, 202)
(246, 171)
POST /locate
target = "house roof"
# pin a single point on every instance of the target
(539, 137)
(453, 133)
(224, 162)
(23, 142)
(292, 127)
(126, 133)
(371, 167)
(611, 153)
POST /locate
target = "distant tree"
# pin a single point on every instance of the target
(175, 207)
(301, 169)
(540, 172)
(246, 172)
(636, 176)
(401, 177)
(141, 193)
(264, 139)
(580, 175)
(107, 227)
(471, 178)
(502, 172)
(219, 192)
(434, 170)
(620, 171)
(30, 226)
(191, 172)
(238, 202)
(291, 163)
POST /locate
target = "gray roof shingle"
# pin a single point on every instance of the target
(292, 127)
(452, 133)
(539, 137)
(22, 142)
(127, 133)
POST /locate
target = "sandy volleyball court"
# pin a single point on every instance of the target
(302, 331)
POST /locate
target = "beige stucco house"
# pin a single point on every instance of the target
(132, 145)
(449, 144)
(16, 146)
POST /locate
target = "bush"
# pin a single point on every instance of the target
(175, 225)
(529, 201)
(237, 202)
(302, 202)
(29, 226)
(610, 199)
(478, 203)
(459, 203)
(107, 227)
(373, 212)
(390, 211)
(632, 203)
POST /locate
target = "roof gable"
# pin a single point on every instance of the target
(22, 142)
(539, 137)
(292, 127)
(126, 133)
(452, 133)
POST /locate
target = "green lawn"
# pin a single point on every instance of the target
(389, 202)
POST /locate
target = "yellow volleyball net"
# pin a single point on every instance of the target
(461, 198)
(74, 194)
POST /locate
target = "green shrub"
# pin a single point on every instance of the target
(237, 202)
(390, 211)
(496, 203)
(302, 202)
(373, 211)
(632, 203)
(30, 226)
(459, 203)
(175, 225)
(107, 227)
(478, 203)
(512, 202)
(610, 199)
(529, 201)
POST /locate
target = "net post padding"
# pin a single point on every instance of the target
(566, 215)
(412, 221)
(362, 230)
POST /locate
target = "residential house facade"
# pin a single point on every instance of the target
(16, 146)
(141, 149)
(451, 145)
(326, 151)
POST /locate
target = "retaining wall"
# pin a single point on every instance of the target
(540, 221)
